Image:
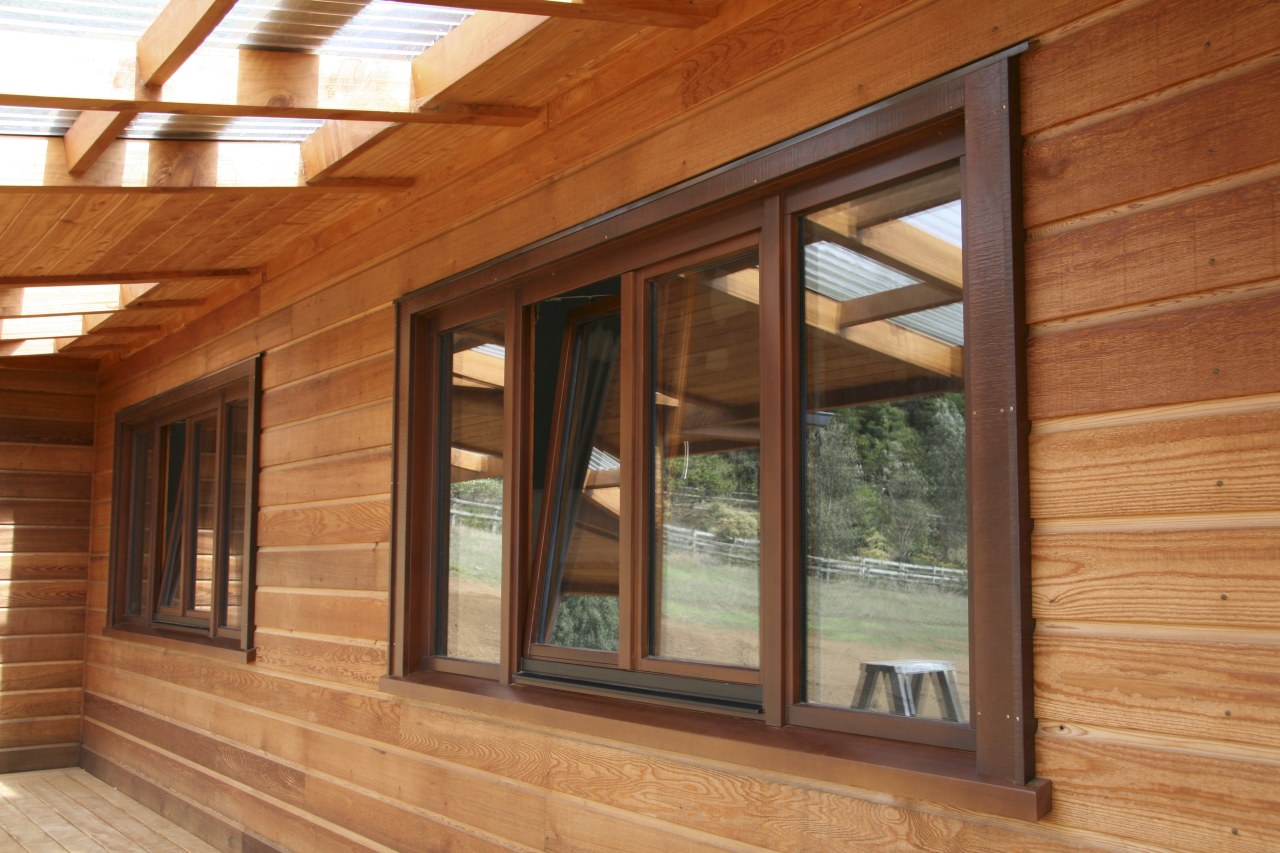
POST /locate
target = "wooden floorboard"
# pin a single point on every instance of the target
(70, 811)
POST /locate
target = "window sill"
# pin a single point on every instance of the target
(179, 642)
(912, 771)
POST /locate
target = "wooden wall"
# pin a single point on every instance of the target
(46, 462)
(1151, 179)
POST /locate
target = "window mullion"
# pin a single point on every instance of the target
(779, 490)
(633, 539)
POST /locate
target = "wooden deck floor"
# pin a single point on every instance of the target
(52, 811)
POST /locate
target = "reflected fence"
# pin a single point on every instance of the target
(747, 552)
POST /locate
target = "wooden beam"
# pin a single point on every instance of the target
(248, 83)
(180, 28)
(882, 336)
(173, 36)
(124, 277)
(916, 252)
(894, 303)
(443, 77)
(649, 13)
(22, 328)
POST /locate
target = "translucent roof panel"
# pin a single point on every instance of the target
(122, 19)
(379, 29)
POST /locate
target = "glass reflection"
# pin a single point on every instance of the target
(884, 453)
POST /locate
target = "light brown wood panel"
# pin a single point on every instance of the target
(358, 474)
(39, 730)
(43, 486)
(1172, 577)
(1213, 690)
(43, 620)
(1216, 241)
(59, 566)
(22, 759)
(66, 233)
(360, 428)
(32, 648)
(56, 513)
(45, 429)
(1157, 44)
(353, 663)
(361, 337)
(1217, 463)
(45, 457)
(58, 407)
(1171, 793)
(341, 804)
(40, 703)
(364, 567)
(366, 381)
(1209, 352)
(40, 675)
(1214, 131)
(39, 214)
(358, 615)
(208, 795)
(339, 523)
(13, 377)
(41, 593)
(30, 539)
(306, 214)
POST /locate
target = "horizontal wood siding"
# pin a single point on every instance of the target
(1153, 294)
(46, 462)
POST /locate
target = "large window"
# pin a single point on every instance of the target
(754, 448)
(182, 543)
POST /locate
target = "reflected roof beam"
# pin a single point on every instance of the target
(650, 13)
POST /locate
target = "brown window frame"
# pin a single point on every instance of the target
(969, 117)
(212, 396)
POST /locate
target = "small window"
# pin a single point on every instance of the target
(183, 510)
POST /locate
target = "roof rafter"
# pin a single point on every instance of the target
(249, 83)
(179, 28)
(650, 13)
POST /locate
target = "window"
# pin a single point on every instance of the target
(753, 447)
(182, 549)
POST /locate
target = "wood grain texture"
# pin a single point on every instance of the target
(363, 567)
(355, 384)
(1161, 44)
(337, 523)
(1164, 792)
(1217, 241)
(361, 664)
(357, 615)
(1208, 690)
(359, 428)
(360, 473)
(1182, 577)
(1211, 132)
(1207, 352)
(1212, 464)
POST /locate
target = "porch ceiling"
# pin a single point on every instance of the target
(154, 167)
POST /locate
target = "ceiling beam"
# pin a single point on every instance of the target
(247, 83)
(649, 13)
(175, 34)
(443, 75)
(126, 278)
(55, 301)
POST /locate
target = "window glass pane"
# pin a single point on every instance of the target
(473, 367)
(200, 582)
(579, 599)
(705, 415)
(884, 454)
(141, 518)
(235, 480)
(174, 471)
